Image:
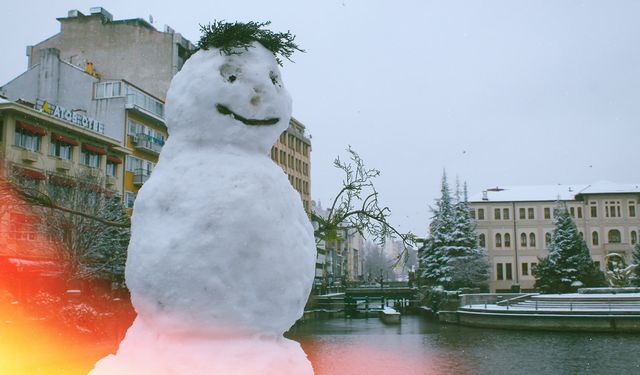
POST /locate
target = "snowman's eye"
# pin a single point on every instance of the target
(229, 73)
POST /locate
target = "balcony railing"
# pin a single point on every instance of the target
(147, 143)
(140, 176)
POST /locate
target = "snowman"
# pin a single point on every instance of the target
(222, 255)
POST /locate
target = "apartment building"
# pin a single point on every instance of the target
(515, 224)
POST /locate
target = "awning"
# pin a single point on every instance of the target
(62, 181)
(32, 174)
(94, 149)
(63, 139)
(30, 128)
(114, 159)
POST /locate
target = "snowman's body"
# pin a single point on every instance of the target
(222, 255)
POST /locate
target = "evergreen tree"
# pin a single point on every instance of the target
(568, 265)
(435, 269)
(469, 263)
(635, 259)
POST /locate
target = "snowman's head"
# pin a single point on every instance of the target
(235, 99)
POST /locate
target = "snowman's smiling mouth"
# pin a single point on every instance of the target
(247, 121)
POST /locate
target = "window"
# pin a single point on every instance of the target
(579, 212)
(28, 140)
(108, 90)
(572, 212)
(505, 213)
(496, 214)
(597, 264)
(594, 239)
(547, 239)
(129, 198)
(61, 150)
(594, 209)
(533, 266)
(509, 271)
(498, 240)
(507, 240)
(547, 213)
(472, 212)
(111, 169)
(482, 240)
(531, 213)
(523, 239)
(612, 209)
(632, 209)
(634, 237)
(89, 158)
(522, 212)
(525, 269)
(532, 239)
(499, 271)
(283, 157)
(614, 236)
(480, 213)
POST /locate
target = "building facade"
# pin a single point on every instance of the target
(131, 50)
(292, 151)
(514, 225)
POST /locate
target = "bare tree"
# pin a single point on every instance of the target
(87, 224)
(356, 206)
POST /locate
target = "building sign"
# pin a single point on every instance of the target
(73, 117)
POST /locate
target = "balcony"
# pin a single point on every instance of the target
(140, 176)
(144, 142)
(63, 165)
(29, 156)
(618, 247)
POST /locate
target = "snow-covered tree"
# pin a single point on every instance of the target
(635, 259)
(451, 257)
(569, 265)
(439, 245)
(469, 263)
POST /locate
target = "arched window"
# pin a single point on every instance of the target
(614, 236)
(523, 239)
(482, 240)
(634, 237)
(532, 239)
(507, 240)
(594, 239)
(498, 240)
(547, 239)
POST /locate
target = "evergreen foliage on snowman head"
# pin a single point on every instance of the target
(230, 37)
(230, 92)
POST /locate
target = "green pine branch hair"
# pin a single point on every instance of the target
(228, 37)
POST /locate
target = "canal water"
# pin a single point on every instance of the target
(421, 346)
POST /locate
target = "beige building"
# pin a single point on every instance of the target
(515, 224)
(48, 149)
(292, 152)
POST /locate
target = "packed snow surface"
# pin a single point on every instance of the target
(222, 254)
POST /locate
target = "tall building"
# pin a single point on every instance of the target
(117, 109)
(515, 224)
(131, 50)
(292, 152)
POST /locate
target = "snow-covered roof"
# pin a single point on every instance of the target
(538, 193)
(4, 101)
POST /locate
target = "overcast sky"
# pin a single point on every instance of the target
(495, 92)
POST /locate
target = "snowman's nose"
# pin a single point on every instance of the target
(255, 100)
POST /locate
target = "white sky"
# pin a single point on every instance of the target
(497, 92)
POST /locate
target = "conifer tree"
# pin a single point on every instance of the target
(569, 265)
(635, 259)
(435, 269)
(469, 262)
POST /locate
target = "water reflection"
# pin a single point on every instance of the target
(419, 346)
